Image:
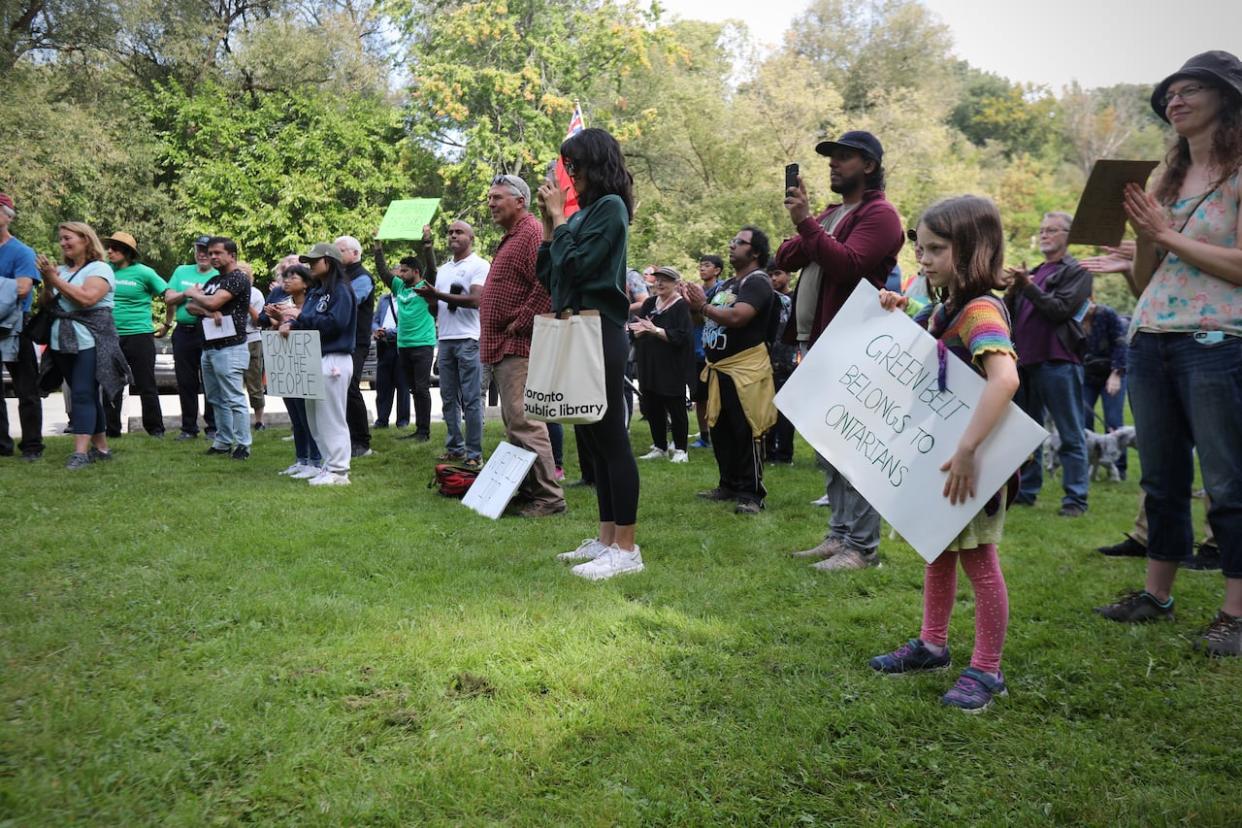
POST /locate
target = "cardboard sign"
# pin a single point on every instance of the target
(405, 219)
(495, 486)
(867, 398)
(293, 364)
(1100, 217)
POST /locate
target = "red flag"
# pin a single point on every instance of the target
(562, 178)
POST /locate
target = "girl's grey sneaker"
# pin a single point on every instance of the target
(78, 460)
(910, 657)
(1133, 607)
(975, 691)
(1223, 637)
(98, 456)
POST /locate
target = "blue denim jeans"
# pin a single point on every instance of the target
(460, 387)
(1186, 397)
(224, 370)
(1055, 386)
(304, 447)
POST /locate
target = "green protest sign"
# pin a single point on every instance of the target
(405, 219)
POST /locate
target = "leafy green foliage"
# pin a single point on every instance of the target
(280, 170)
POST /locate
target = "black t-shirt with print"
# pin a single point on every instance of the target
(755, 289)
(238, 307)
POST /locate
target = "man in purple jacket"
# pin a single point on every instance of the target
(851, 241)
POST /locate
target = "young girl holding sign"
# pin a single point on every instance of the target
(962, 255)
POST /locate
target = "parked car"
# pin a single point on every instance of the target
(165, 371)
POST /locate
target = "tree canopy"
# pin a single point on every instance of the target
(283, 122)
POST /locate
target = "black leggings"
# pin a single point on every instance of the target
(608, 441)
(661, 411)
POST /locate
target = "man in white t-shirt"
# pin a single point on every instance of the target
(459, 284)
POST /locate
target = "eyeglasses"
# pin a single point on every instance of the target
(738, 242)
(1185, 93)
(1052, 231)
(570, 166)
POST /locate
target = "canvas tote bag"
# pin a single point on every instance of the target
(565, 376)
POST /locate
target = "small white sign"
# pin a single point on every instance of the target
(495, 486)
(293, 364)
(221, 329)
(867, 398)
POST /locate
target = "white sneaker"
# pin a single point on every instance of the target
(823, 501)
(588, 550)
(330, 479)
(679, 456)
(307, 473)
(654, 454)
(614, 561)
(294, 469)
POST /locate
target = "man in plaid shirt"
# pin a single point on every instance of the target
(511, 298)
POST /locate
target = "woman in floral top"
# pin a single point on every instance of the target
(1185, 362)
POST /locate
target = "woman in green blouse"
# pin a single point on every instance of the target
(582, 264)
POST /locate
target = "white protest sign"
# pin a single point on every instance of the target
(293, 364)
(502, 474)
(867, 398)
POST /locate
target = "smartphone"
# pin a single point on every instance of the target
(791, 176)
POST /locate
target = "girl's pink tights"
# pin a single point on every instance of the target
(982, 565)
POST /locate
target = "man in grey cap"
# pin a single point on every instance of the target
(187, 339)
(856, 239)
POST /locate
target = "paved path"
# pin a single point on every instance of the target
(55, 419)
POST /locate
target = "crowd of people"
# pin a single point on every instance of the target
(723, 345)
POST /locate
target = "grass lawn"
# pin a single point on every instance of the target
(191, 640)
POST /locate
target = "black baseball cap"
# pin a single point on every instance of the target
(1221, 69)
(857, 139)
(202, 241)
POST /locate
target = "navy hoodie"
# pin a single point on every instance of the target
(334, 314)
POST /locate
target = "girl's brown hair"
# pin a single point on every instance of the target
(972, 224)
(1226, 153)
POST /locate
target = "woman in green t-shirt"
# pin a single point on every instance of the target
(136, 286)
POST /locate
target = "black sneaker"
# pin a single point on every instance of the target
(1133, 607)
(1207, 560)
(259, 427)
(186, 435)
(748, 506)
(218, 451)
(78, 460)
(240, 453)
(1223, 637)
(32, 456)
(1128, 548)
(718, 494)
(98, 456)
(1070, 511)
(158, 435)
(210, 434)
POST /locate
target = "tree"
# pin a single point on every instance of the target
(1110, 123)
(874, 45)
(278, 171)
(493, 84)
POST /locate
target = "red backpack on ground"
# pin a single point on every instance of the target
(453, 480)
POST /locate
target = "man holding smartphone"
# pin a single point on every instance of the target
(857, 239)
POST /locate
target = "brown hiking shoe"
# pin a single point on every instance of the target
(539, 510)
(848, 558)
(828, 547)
(1223, 637)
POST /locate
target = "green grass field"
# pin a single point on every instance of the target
(191, 640)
